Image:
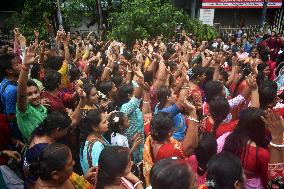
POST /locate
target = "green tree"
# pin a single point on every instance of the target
(141, 19)
(75, 10)
(32, 17)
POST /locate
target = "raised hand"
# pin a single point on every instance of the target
(91, 175)
(22, 40)
(81, 93)
(45, 102)
(143, 85)
(251, 81)
(36, 33)
(16, 32)
(274, 123)
(137, 141)
(12, 154)
(234, 61)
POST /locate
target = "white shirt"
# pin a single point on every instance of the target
(119, 140)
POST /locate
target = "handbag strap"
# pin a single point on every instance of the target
(90, 149)
(89, 152)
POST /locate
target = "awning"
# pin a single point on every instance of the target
(233, 4)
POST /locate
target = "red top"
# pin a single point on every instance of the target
(221, 129)
(55, 102)
(192, 161)
(255, 163)
(168, 150)
(237, 109)
(147, 124)
(5, 136)
(66, 94)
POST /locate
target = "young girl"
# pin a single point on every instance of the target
(119, 123)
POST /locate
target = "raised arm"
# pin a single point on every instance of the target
(275, 124)
(191, 137)
(234, 71)
(108, 69)
(76, 116)
(161, 73)
(254, 91)
(22, 82)
(65, 41)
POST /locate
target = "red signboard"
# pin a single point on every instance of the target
(226, 4)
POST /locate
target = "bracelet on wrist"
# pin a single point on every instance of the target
(108, 68)
(192, 119)
(276, 145)
(146, 102)
(136, 184)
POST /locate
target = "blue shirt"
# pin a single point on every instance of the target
(132, 110)
(8, 97)
(96, 151)
(178, 118)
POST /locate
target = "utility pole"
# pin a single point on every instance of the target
(59, 16)
(263, 14)
(193, 8)
(100, 14)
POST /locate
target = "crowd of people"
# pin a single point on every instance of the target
(79, 112)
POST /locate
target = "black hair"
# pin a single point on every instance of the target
(223, 170)
(246, 70)
(207, 147)
(267, 93)
(249, 128)
(53, 158)
(148, 77)
(162, 95)
(212, 89)
(117, 80)
(115, 68)
(52, 80)
(87, 87)
(31, 83)
(105, 87)
(96, 71)
(112, 163)
(172, 65)
(86, 125)
(35, 71)
(260, 75)
(53, 121)
(197, 71)
(171, 173)
(219, 108)
(167, 56)
(223, 73)
(123, 94)
(53, 63)
(161, 125)
(74, 73)
(6, 63)
(116, 121)
(208, 75)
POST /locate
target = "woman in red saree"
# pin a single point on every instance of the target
(238, 88)
(160, 145)
(219, 109)
(248, 142)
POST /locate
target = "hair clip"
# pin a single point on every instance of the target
(190, 73)
(116, 119)
(102, 95)
(211, 183)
